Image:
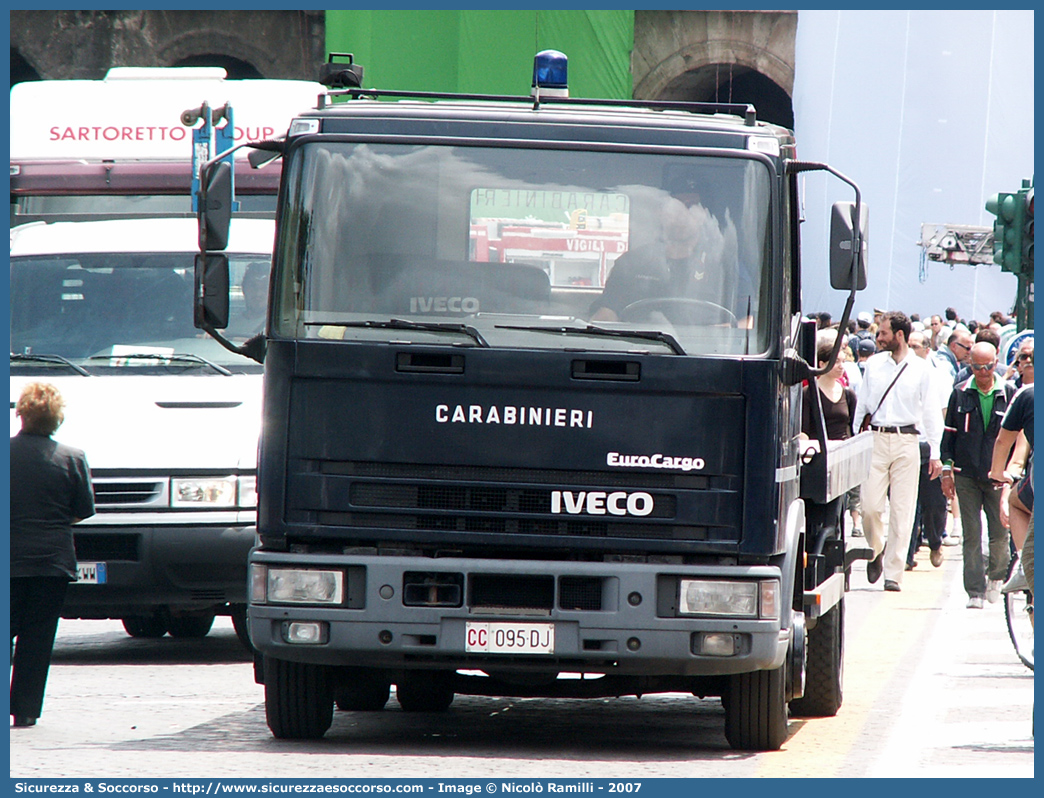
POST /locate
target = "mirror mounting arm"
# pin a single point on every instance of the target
(254, 348)
(839, 339)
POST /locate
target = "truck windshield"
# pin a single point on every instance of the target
(104, 311)
(512, 242)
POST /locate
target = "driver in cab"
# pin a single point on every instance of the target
(680, 276)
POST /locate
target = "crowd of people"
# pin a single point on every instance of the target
(952, 430)
(952, 427)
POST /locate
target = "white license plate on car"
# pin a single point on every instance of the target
(504, 637)
(91, 573)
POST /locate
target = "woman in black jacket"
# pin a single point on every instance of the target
(50, 491)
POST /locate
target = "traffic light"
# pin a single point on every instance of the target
(1027, 227)
(1010, 210)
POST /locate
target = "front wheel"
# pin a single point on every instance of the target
(756, 710)
(826, 660)
(1018, 612)
(298, 699)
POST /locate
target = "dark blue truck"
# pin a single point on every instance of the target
(511, 447)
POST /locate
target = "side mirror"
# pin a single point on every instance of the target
(211, 299)
(848, 268)
(215, 206)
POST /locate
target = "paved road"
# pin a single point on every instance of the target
(932, 689)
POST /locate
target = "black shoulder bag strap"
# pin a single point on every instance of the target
(885, 394)
(869, 416)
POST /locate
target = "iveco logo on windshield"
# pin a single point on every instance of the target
(444, 304)
(599, 502)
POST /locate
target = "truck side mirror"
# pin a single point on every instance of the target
(215, 206)
(211, 298)
(844, 273)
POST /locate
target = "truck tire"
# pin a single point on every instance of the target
(826, 659)
(362, 695)
(756, 710)
(425, 691)
(298, 699)
(190, 626)
(151, 626)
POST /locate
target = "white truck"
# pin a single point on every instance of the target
(101, 305)
(89, 149)
(168, 418)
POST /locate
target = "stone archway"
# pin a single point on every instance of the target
(731, 83)
(242, 53)
(710, 56)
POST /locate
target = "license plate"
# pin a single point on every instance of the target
(90, 573)
(502, 637)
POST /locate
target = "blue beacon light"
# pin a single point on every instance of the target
(550, 74)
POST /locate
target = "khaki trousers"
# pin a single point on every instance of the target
(893, 481)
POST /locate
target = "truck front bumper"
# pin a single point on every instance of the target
(628, 625)
(183, 567)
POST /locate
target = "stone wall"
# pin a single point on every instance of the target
(684, 54)
(84, 44)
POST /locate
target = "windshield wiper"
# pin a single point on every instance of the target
(181, 357)
(58, 360)
(403, 324)
(647, 335)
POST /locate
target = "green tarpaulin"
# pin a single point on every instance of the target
(485, 52)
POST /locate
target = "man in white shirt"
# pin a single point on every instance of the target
(897, 413)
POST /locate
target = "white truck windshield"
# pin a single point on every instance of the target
(118, 310)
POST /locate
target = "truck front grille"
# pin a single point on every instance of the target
(517, 526)
(448, 473)
(112, 493)
(469, 498)
(510, 505)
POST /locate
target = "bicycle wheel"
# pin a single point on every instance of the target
(1018, 612)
